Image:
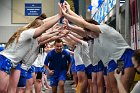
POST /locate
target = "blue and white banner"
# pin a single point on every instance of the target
(33, 9)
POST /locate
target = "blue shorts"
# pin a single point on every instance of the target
(5, 64)
(29, 72)
(112, 65)
(39, 69)
(57, 76)
(99, 67)
(126, 58)
(89, 70)
(22, 81)
(105, 71)
(18, 67)
(73, 68)
(80, 67)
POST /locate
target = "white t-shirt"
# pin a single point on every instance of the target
(93, 55)
(17, 51)
(110, 45)
(29, 59)
(39, 62)
(81, 54)
(77, 56)
(85, 53)
(136, 88)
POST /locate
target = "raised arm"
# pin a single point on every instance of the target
(66, 4)
(48, 23)
(81, 23)
(76, 35)
(69, 42)
(74, 38)
(52, 39)
(75, 28)
(47, 36)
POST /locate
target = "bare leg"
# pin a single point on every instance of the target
(61, 86)
(94, 80)
(75, 78)
(82, 79)
(38, 86)
(113, 82)
(4, 80)
(54, 89)
(107, 85)
(46, 83)
(90, 86)
(128, 77)
(100, 82)
(29, 83)
(13, 80)
(20, 90)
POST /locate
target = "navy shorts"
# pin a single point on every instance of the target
(89, 70)
(22, 81)
(99, 67)
(54, 79)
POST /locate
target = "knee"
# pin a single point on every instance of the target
(61, 85)
(100, 83)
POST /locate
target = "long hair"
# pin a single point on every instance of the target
(36, 23)
(136, 55)
(92, 21)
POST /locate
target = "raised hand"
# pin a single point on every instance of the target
(60, 9)
(66, 4)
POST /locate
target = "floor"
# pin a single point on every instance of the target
(68, 88)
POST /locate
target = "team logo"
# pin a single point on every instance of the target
(63, 56)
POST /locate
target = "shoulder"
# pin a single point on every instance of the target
(66, 52)
(29, 32)
(103, 27)
(51, 52)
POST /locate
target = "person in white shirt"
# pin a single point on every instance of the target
(98, 67)
(110, 47)
(83, 52)
(28, 61)
(39, 69)
(20, 44)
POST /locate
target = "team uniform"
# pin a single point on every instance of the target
(57, 62)
(73, 67)
(39, 65)
(96, 62)
(15, 52)
(110, 47)
(78, 59)
(86, 58)
(25, 66)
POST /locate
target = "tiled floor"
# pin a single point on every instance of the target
(68, 88)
